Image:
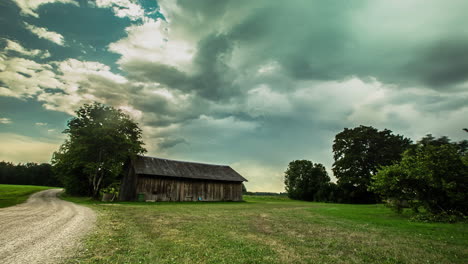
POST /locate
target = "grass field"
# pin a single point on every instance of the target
(15, 194)
(266, 230)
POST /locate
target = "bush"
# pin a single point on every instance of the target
(444, 217)
(430, 176)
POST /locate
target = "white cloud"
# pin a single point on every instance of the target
(84, 82)
(16, 148)
(16, 47)
(228, 125)
(29, 7)
(45, 34)
(268, 68)
(153, 42)
(132, 112)
(40, 124)
(4, 120)
(73, 83)
(123, 8)
(74, 70)
(24, 77)
(262, 101)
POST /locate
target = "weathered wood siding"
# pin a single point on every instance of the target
(128, 186)
(179, 189)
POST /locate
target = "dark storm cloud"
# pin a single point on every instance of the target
(171, 142)
(315, 40)
(308, 40)
(156, 72)
(257, 83)
(443, 64)
(214, 80)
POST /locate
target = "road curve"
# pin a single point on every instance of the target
(44, 229)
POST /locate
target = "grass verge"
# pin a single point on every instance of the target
(266, 230)
(15, 194)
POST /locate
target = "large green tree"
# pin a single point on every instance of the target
(304, 180)
(101, 139)
(433, 174)
(358, 153)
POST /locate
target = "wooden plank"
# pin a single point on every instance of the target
(170, 189)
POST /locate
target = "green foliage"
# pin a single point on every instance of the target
(443, 217)
(431, 175)
(113, 189)
(358, 153)
(28, 174)
(305, 180)
(329, 192)
(101, 139)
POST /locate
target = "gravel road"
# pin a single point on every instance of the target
(44, 229)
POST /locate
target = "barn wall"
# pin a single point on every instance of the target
(128, 186)
(175, 189)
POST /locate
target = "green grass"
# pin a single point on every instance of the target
(15, 194)
(266, 230)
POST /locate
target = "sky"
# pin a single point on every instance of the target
(250, 84)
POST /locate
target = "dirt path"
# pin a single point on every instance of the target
(45, 229)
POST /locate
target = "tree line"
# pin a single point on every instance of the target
(28, 174)
(377, 166)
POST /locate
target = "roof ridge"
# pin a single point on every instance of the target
(193, 162)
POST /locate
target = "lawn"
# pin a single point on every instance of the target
(15, 194)
(266, 230)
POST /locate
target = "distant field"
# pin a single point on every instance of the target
(266, 230)
(15, 194)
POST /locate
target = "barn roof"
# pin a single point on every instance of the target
(183, 169)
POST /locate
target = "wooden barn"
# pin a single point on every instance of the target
(170, 180)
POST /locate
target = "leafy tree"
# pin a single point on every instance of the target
(29, 173)
(432, 175)
(101, 139)
(358, 153)
(329, 192)
(304, 180)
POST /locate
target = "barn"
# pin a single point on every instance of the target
(158, 179)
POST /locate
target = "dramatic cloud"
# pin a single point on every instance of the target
(45, 34)
(83, 82)
(253, 84)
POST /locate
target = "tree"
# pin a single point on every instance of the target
(29, 173)
(432, 174)
(358, 153)
(304, 180)
(101, 139)
(329, 192)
